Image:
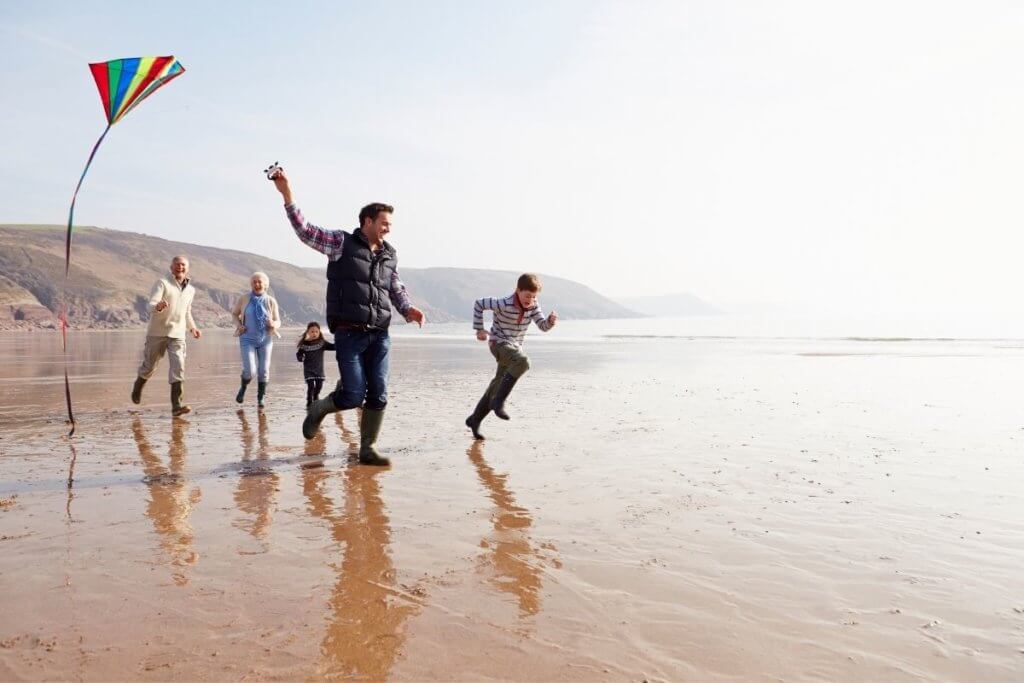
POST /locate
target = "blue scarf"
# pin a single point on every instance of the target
(259, 305)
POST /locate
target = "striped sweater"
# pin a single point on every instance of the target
(510, 320)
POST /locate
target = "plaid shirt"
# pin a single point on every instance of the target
(510, 320)
(329, 243)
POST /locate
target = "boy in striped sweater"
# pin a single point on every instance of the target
(512, 316)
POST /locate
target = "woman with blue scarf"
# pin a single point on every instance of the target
(257, 321)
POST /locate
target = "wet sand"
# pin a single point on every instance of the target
(658, 508)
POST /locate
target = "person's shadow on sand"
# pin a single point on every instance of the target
(515, 564)
(170, 502)
(369, 608)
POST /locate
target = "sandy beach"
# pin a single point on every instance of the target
(659, 508)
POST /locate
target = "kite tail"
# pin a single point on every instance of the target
(74, 197)
(67, 269)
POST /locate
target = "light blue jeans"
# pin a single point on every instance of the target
(256, 358)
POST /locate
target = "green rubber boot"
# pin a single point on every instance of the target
(369, 429)
(137, 390)
(240, 396)
(261, 393)
(315, 414)
(501, 394)
(177, 407)
(479, 413)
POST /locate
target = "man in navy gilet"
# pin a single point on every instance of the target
(362, 287)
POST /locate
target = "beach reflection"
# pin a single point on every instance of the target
(368, 609)
(257, 487)
(513, 559)
(170, 501)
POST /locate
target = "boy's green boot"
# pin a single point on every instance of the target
(137, 390)
(479, 413)
(501, 394)
(369, 429)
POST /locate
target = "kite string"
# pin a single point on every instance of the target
(67, 269)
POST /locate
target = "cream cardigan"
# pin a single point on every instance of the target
(238, 313)
(176, 319)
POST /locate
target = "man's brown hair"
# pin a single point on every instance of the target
(371, 210)
(529, 282)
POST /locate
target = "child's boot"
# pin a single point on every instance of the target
(315, 414)
(501, 394)
(177, 407)
(240, 396)
(137, 390)
(261, 393)
(369, 429)
(479, 413)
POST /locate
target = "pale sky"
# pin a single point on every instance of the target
(837, 156)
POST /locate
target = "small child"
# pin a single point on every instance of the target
(311, 354)
(512, 316)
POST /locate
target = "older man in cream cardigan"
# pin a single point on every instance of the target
(170, 308)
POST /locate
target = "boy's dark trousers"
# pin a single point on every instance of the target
(512, 364)
(313, 387)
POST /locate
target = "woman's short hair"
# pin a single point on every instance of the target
(262, 276)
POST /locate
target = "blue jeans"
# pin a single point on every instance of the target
(363, 366)
(256, 358)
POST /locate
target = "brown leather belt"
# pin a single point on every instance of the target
(351, 327)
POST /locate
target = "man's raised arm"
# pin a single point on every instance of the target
(327, 242)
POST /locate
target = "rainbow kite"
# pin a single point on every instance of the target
(123, 84)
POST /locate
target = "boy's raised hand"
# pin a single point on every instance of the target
(481, 335)
(552, 318)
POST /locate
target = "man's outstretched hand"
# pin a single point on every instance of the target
(416, 316)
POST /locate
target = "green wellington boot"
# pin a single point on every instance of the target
(315, 414)
(240, 396)
(261, 393)
(479, 413)
(369, 429)
(501, 394)
(177, 407)
(137, 390)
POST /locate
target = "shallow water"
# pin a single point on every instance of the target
(661, 507)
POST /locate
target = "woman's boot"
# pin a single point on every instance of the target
(240, 396)
(261, 392)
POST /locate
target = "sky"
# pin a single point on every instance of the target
(850, 157)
